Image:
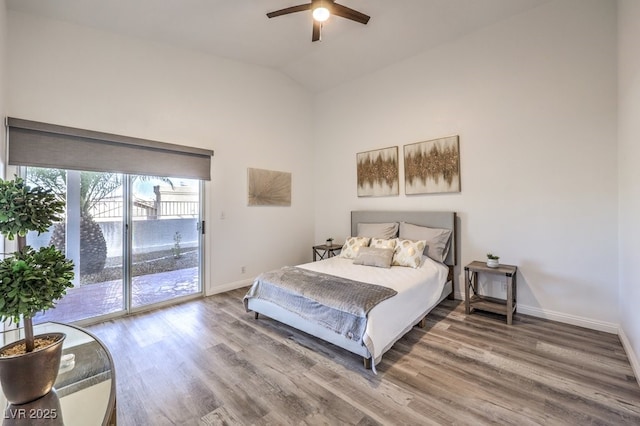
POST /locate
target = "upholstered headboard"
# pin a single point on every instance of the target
(445, 220)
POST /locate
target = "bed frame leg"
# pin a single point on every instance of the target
(450, 277)
(367, 363)
(255, 315)
(423, 322)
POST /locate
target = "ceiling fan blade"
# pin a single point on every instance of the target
(345, 12)
(292, 9)
(315, 36)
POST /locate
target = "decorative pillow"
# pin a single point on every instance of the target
(382, 243)
(378, 230)
(352, 245)
(371, 256)
(438, 240)
(408, 253)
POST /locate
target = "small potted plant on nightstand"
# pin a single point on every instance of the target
(329, 242)
(493, 260)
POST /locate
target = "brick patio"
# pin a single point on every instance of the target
(92, 300)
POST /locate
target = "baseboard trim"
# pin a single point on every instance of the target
(592, 324)
(589, 323)
(229, 286)
(631, 355)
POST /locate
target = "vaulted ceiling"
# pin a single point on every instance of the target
(240, 30)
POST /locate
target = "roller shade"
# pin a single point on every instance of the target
(48, 145)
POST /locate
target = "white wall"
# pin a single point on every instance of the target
(3, 62)
(533, 99)
(629, 176)
(251, 116)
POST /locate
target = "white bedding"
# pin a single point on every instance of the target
(419, 290)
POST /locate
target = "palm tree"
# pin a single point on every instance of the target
(94, 187)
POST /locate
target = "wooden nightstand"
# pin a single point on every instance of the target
(324, 251)
(473, 300)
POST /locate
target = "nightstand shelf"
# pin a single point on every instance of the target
(490, 304)
(473, 300)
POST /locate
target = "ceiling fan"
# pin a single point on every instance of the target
(321, 11)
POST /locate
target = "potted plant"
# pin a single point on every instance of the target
(176, 249)
(329, 242)
(493, 260)
(30, 281)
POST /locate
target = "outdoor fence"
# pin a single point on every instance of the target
(148, 235)
(107, 209)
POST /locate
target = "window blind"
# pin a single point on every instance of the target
(36, 144)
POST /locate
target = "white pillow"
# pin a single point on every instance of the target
(438, 241)
(352, 245)
(371, 256)
(382, 243)
(408, 253)
(378, 230)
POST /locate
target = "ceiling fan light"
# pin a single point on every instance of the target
(321, 14)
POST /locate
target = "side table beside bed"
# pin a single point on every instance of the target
(474, 300)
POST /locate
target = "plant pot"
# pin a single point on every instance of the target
(27, 377)
(493, 263)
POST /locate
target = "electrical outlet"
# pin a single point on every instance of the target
(243, 269)
(504, 287)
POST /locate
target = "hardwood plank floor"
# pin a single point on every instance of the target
(209, 362)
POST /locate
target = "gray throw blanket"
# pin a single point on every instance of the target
(336, 303)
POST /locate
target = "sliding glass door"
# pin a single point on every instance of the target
(134, 240)
(165, 249)
(91, 235)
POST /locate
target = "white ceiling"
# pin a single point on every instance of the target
(239, 29)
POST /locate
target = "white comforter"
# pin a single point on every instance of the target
(419, 290)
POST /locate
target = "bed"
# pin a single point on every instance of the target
(407, 294)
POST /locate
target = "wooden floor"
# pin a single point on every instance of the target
(209, 362)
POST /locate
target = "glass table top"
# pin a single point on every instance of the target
(84, 392)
